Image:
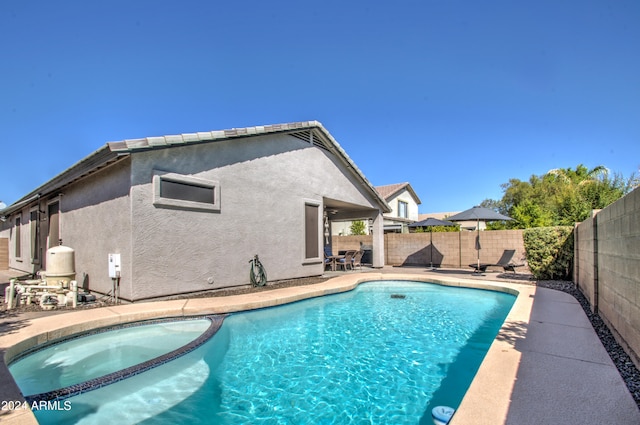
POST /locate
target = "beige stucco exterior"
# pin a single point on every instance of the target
(264, 182)
(395, 216)
(393, 221)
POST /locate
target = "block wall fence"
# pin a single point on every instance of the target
(607, 268)
(443, 249)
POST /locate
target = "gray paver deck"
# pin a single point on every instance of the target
(547, 365)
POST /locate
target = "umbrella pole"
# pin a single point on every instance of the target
(478, 243)
(431, 243)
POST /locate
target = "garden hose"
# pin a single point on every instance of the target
(257, 273)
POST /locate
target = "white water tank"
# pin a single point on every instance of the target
(61, 266)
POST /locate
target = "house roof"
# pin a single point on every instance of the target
(390, 190)
(438, 215)
(312, 132)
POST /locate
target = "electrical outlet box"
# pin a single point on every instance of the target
(114, 266)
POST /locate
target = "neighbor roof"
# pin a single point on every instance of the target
(388, 191)
(312, 132)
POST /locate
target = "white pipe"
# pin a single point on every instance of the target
(12, 291)
(41, 286)
(74, 293)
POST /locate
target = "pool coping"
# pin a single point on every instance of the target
(515, 382)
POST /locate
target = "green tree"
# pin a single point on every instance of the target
(529, 214)
(562, 196)
(358, 228)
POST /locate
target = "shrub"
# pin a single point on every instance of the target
(549, 251)
(358, 228)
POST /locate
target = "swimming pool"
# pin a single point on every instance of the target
(100, 353)
(385, 352)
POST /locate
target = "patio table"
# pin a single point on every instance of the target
(334, 261)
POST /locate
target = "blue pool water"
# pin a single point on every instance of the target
(365, 356)
(84, 358)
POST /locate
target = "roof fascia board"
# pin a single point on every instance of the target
(354, 168)
(160, 142)
(413, 193)
(401, 187)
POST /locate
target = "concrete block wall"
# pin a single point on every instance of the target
(450, 249)
(345, 243)
(616, 277)
(4, 253)
(618, 239)
(407, 249)
(584, 264)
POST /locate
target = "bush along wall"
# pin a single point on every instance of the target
(549, 251)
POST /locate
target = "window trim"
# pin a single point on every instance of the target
(17, 236)
(319, 258)
(55, 219)
(34, 235)
(406, 209)
(159, 201)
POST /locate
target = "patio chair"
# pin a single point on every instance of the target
(327, 254)
(357, 259)
(504, 262)
(347, 261)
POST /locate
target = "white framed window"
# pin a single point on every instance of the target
(403, 209)
(173, 190)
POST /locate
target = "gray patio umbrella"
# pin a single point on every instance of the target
(430, 222)
(479, 213)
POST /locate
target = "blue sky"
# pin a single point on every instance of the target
(455, 97)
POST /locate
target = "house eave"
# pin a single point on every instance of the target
(90, 164)
(114, 151)
(295, 128)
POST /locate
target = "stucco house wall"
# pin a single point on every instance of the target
(393, 194)
(263, 195)
(95, 220)
(403, 196)
(264, 179)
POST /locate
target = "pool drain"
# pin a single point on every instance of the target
(399, 296)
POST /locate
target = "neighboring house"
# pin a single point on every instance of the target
(404, 207)
(186, 213)
(403, 202)
(464, 225)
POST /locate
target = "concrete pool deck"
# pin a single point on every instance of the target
(546, 366)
